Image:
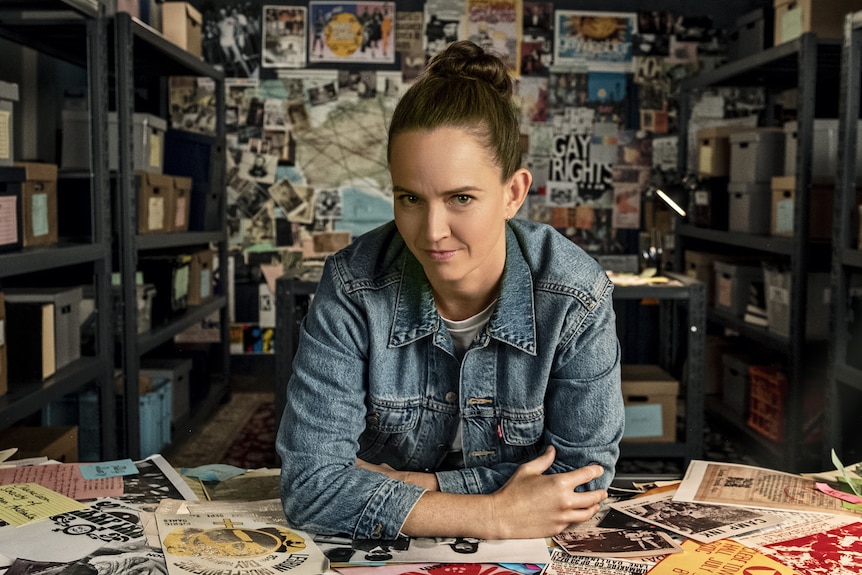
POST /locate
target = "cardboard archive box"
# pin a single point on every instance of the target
(650, 396)
(777, 284)
(201, 277)
(713, 151)
(753, 33)
(701, 266)
(30, 347)
(39, 204)
(733, 284)
(155, 197)
(148, 142)
(749, 207)
(181, 24)
(8, 96)
(67, 310)
(795, 17)
(58, 442)
(192, 155)
(11, 183)
(756, 154)
(824, 150)
(4, 376)
(820, 201)
(170, 276)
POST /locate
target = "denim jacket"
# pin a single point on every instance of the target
(376, 377)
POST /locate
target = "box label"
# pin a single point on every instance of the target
(39, 214)
(5, 135)
(206, 281)
(724, 297)
(181, 282)
(8, 219)
(180, 218)
(791, 24)
(784, 216)
(156, 214)
(643, 421)
(155, 151)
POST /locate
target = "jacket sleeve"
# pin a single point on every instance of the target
(322, 490)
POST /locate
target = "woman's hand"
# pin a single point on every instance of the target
(531, 504)
(426, 480)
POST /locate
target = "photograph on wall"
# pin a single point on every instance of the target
(443, 24)
(600, 41)
(284, 36)
(495, 25)
(231, 39)
(537, 37)
(193, 104)
(352, 32)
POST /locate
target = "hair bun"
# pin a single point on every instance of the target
(466, 60)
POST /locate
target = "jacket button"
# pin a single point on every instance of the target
(451, 397)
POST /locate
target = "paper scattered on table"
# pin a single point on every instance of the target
(699, 521)
(7, 453)
(236, 543)
(64, 478)
(628, 543)
(750, 486)
(104, 469)
(564, 564)
(22, 503)
(725, 556)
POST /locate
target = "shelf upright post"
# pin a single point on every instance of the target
(126, 227)
(97, 67)
(219, 183)
(844, 204)
(794, 414)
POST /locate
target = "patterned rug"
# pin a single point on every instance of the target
(241, 432)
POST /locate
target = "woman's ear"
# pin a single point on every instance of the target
(517, 190)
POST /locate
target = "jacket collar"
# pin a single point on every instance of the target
(513, 322)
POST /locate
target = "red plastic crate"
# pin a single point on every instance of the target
(767, 396)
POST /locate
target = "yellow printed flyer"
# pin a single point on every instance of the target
(235, 544)
(724, 556)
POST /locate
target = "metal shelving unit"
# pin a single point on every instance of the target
(683, 314)
(810, 66)
(144, 58)
(845, 381)
(74, 31)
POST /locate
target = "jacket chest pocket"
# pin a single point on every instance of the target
(387, 429)
(521, 439)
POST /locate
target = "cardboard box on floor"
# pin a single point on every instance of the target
(650, 396)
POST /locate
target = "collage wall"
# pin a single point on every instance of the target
(310, 88)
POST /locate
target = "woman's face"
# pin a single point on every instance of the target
(451, 207)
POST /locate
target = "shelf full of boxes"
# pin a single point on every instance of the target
(844, 394)
(170, 228)
(45, 355)
(760, 228)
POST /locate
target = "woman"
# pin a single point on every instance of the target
(458, 371)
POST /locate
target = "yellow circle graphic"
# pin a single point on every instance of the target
(343, 34)
(231, 542)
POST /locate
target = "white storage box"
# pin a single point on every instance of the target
(178, 371)
(750, 205)
(732, 285)
(148, 142)
(8, 96)
(777, 284)
(824, 152)
(795, 17)
(756, 155)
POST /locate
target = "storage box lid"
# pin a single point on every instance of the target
(146, 120)
(182, 183)
(38, 172)
(756, 134)
(749, 187)
(717, 132)
(643, 379)
(8, 91)
(57, 295)
(155, 180)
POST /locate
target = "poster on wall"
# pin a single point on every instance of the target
(284, 36)
(596, 41)
(361, 32)
(495, 25)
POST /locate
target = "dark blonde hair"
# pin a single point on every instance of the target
(467, 88)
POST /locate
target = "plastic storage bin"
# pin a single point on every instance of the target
(749, 207)
(756, 155)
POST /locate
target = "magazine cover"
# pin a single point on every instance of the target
(284, 36)
(495, 26)
(600, 41)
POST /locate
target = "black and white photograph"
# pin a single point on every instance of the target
(258, 166)
(284, 36)
(599, 542)
(231, 38)
(699, 521)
